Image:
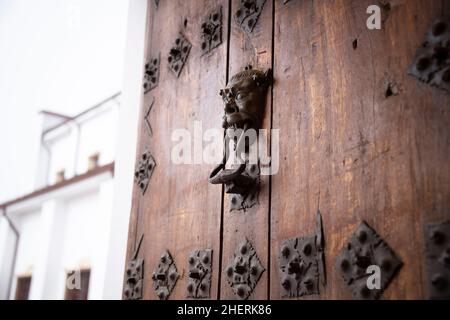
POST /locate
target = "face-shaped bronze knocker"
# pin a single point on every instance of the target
(244, 98)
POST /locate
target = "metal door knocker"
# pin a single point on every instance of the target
(244, 98)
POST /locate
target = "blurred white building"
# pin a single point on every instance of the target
(63, 226)
(65, 191)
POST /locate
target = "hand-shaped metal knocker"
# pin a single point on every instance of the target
(244, 98)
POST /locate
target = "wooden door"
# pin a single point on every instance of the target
(359, 139)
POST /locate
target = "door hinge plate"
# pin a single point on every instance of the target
(199, 274)
(211, 31)
(144, 171)
(431, 63)
(302, 265)
(134, 283)
(134, 275)
(165, 276)
(247, 14)
(244, 270)
(438, 259)
(151, 74)
(366, 248)
(178, 54)
(299, 273)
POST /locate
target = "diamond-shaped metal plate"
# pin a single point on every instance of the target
(165, 276)
(244, 270)
(437, 239)
(211, 31)
(151, 74)
(299, 272)
(431, 63)
(134, 279)
(199, 274)
(247, 13)
(366, 248)
(178, 54)
(144, 171)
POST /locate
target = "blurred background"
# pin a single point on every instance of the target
(70, 75)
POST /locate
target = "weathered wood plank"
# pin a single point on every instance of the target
(366, 155)
(254, 49)
(180, 212)
(358, 137)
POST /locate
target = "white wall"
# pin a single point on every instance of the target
(63, 56)
(46, 267)
(71, 144)
(29, 249)
(101, 246)
(30, 245)
(7, 246)
(98, 134)
(80, 230)
(111, 252)
(126, 147)
(69, 230)
(62, 153)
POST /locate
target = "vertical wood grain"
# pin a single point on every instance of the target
(369, 156)
(254, 49)
(180, 211)
(345, 144)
